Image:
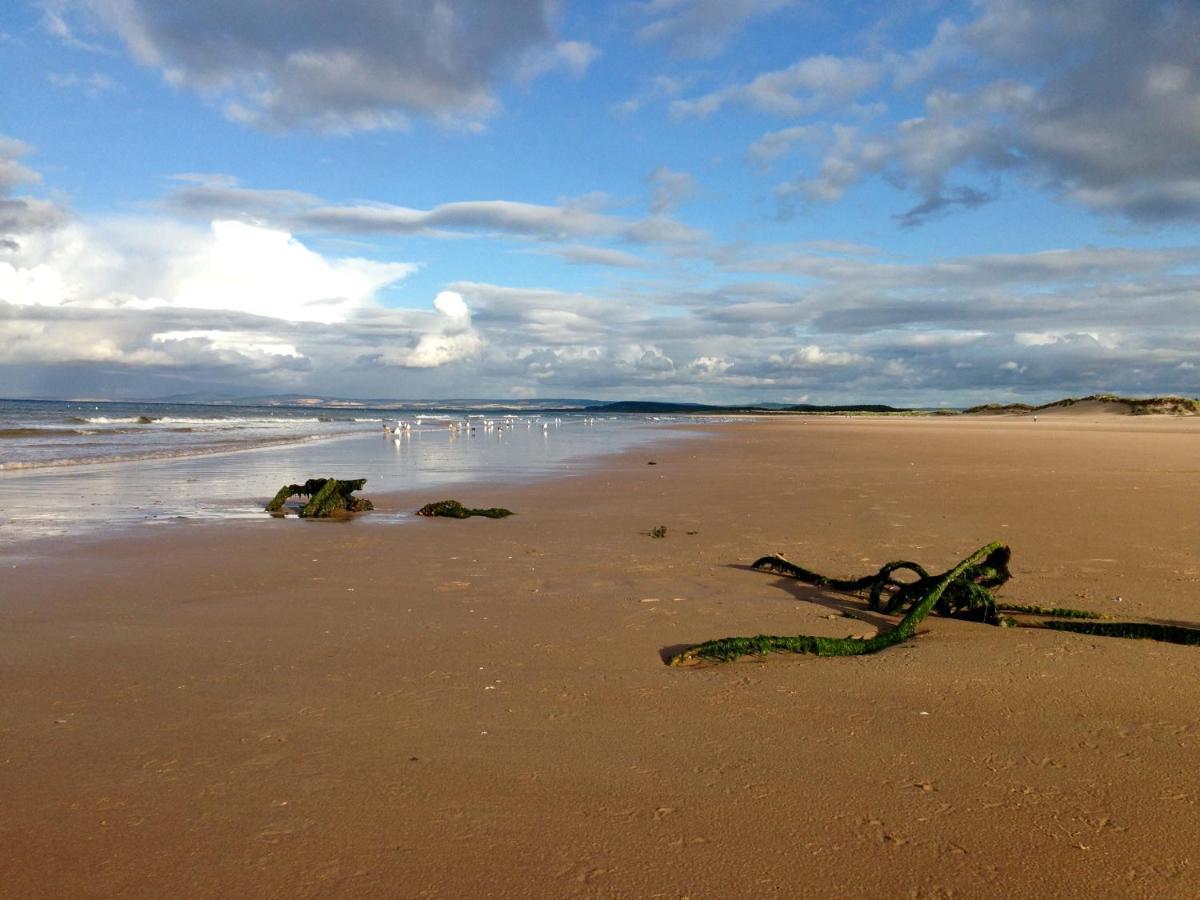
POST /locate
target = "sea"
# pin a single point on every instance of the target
(87, 467)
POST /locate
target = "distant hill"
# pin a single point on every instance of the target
(1096, 404)
(317, 401)
(654, 406)
(542, 404)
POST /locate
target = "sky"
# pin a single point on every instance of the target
(920, 203)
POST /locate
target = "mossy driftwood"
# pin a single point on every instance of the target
(327, 497)
(452, 509)
(964, 591)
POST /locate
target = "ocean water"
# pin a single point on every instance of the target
(74, 468)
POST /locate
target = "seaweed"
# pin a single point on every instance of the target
(1153, 631)
(986, 565)
(968, 595)
(965, 591)
(1056, 611)
(327, 497)
(452, 509)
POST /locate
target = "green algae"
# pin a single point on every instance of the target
(452, 509)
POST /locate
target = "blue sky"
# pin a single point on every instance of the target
(920, 203)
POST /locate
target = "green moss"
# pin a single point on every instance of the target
(452, 509)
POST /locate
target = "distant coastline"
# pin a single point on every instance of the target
(1103, 403)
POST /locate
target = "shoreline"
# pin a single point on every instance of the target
(154, 498)
(481, 707)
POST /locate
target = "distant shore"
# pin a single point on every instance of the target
(480, 707)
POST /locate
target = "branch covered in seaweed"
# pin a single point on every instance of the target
(965, 591)
(327, 497)
(970, 595)
(452, 509)
(987, 565)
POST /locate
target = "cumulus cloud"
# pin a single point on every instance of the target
(372, 65)
(21, 214)
(775, 144)
(863, 326)
(698, 28)
(449, 340)
(572, 57)
(921, 153)
(807, 86)
(12, 171)
(232, 266)
(669, 188)
(837, 323)
(230, 300)
(1095, 101)
(656, 88)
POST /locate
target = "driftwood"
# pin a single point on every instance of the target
(327, 497)
(452, 509)
(965, 591)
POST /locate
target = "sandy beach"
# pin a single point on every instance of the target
(480, 708)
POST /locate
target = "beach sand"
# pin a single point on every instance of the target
(480, 708)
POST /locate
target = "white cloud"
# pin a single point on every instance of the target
(239, 341)
(1094, 101)
(812, 356)
(572, 57)
(372, 65)
(774, 144)
(697, 28)
(669, 188)
(807, 86)
(267, 272)
(598, 256)
(449, 341)
(220, 196)
(233, 267)
(92, 85)
(13, 172)
(656, 88)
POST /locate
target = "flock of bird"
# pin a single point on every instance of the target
(459, 427)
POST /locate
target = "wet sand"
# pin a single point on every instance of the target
(480, 708)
